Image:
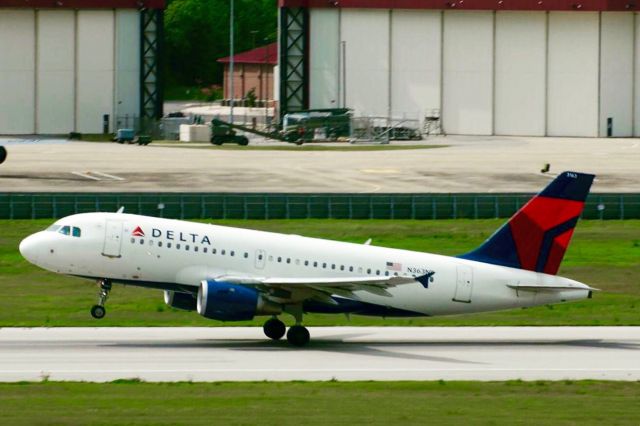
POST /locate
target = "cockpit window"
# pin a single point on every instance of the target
(53, 228)
(76, 232)
(65, 230)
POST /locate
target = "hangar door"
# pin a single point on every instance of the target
(62, 70)
(17, 71)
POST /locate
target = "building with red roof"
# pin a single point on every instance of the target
(253, 70)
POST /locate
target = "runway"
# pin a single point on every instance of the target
(341, 353)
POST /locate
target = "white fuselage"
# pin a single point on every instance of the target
(185, 253)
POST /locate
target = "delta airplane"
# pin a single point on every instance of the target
(232, 274)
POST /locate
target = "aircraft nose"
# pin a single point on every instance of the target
(28, 248)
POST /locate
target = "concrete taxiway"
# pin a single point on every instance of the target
(342, 353)
(465, 164)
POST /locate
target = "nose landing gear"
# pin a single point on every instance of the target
(98, 311)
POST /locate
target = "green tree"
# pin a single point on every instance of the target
(197, 34)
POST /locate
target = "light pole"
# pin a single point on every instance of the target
(231, 76)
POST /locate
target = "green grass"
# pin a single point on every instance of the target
(284, 147)
(320, 403)
(292, 147)
(603, 254)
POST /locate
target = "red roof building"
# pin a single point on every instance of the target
(253, 70)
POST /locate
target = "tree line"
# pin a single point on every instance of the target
(197, 34)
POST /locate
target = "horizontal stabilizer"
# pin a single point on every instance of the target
(553, 288)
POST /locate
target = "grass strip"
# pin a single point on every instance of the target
(603, 254)
(319, 403)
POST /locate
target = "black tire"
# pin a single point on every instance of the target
(274, 329)
(298, 335)
(98, 312)
(3, 154)
(243, 141)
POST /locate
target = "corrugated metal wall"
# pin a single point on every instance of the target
(61, 70)
(504, 73)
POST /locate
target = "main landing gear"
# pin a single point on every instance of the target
(274, 328)
(98, 311)
(298, 335)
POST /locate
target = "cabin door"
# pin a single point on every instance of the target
(464, 284)
(112, 239)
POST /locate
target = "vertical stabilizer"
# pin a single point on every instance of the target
(538, 235)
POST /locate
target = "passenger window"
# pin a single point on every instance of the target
(377, 272)
(315, 264)
(342, 267)
(159, 243)
(259, 257)
(288, 260)
(76, 232)
(133, 240)
(195, 248)
(177, 246)
(186, 247)
(324, 265)
(386, 273)
(306, 263)
(368, 271)
(141, 241)
(214, 251)
(246, 255)
(65, 230)
(279, 259)
(222, 252)
(204, 250)
(168, 245)
(350, 268)
(333, 266)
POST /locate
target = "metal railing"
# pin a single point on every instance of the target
(298, 206)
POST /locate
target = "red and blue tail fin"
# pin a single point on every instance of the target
(537, 236)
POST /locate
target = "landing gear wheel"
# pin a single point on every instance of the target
(298, 335)
(98, 312)
(274, 329)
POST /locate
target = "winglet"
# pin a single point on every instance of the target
(120, 210)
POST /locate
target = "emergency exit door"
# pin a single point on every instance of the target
(464, 284)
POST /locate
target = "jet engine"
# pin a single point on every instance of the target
(231, 302)
(184, 301)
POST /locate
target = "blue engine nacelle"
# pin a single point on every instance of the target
(184, 301)
(231, 302)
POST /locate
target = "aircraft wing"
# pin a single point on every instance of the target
(321, 288)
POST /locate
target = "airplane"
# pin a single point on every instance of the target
(234, 274)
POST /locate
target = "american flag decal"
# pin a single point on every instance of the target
(394, 266)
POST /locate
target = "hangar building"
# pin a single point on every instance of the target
(489, 67)
(64, 64)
